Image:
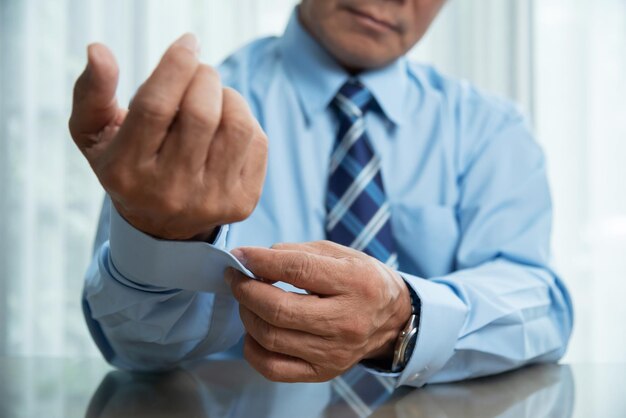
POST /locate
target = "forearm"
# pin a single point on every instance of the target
(501, 306)
(155, 329)
(144, 308)
(486, 320)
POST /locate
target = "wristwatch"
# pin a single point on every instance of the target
(408, 336)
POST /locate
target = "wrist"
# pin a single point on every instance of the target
(407, 339)
(403, 310)
(159, 230)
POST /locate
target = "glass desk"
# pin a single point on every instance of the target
(68, 388)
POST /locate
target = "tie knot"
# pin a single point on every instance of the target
(353, 99)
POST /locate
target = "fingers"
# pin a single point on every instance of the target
(198, 118)
(279, 367)
(303, 269)
(156, 103)
(255, 165)
(322, 248)
(281, 340)
(94, 103)
(280, 308)
(237, 130)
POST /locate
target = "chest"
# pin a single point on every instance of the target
(418, 173)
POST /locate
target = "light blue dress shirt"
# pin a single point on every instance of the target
(470, 211)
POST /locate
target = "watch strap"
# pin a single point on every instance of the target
(408, 336)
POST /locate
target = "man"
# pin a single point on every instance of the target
(431, 198)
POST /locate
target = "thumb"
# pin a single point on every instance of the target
(94, 103)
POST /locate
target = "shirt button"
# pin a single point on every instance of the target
(415, 376)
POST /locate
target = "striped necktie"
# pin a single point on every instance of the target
(358, 213)
(358, 216)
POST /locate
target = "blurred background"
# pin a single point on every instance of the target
(563, 61)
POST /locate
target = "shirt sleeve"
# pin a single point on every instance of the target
(151, 304)
(503, 306)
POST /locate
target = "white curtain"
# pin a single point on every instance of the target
(562, 60)
(49, 198)
(581, 119)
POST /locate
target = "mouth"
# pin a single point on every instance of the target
(372, 21)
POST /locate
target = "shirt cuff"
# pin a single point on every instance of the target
(153, 264)
(441, 319)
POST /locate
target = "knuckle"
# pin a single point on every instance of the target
(214, 210)
(298, 267)
(270, 339)
(80, 85)
(151, 107)
(209, 72)
(281, 312)
(237, 127)
(321, 374)
(72, 125)
(245, 209)
(81, 88)
(239, 291)
(261, 143)
(219, 145)
(236, 290)
(231, 97)
(197, 116)
(371, 292)
(269, 369)
(180, 58)
(258, 151)
(327, 324)
(242, 209)
(247, 350)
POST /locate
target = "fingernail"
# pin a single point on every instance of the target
(190, 42)
(239, 255)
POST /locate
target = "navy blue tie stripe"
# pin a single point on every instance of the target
(351, 225)
(358, 216)
(358, 213)
(351, 169)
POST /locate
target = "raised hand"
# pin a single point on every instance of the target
(188, 155)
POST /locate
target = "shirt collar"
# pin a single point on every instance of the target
(317, 76)
(389, 85)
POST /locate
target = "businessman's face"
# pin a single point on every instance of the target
(363, 34)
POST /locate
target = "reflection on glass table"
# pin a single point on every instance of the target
(32, 387)
(233, 389)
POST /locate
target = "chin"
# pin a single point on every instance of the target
(363, 54)
(356, 63)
